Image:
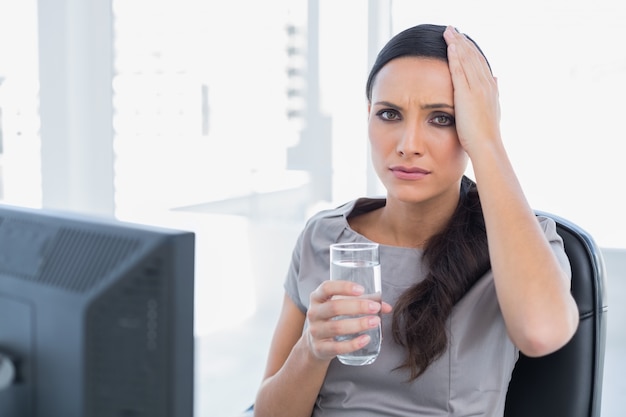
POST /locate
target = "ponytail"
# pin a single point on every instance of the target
(456, 258)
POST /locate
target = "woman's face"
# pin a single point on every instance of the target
(415, 148)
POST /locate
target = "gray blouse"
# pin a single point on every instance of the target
(469, 379)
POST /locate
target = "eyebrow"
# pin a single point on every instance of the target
(429, 106)
(437, 106)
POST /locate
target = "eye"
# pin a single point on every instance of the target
(389, 115)
(443, 120)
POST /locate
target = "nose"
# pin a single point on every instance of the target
(412, 141)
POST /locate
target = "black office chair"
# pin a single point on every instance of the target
(568, 383)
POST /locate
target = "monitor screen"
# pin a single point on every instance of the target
(96, 317)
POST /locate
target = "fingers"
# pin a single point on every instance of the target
(344, 316)
(327, 349)
(329, 330)
(466, 61)
(476, 102)
(341, 298)
(385, 308)
(457, 71)
(326, 337)
(339, 308)
(329, 289)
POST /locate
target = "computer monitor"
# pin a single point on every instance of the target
(96, 317)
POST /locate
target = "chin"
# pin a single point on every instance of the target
(421, 194)
(409, 197)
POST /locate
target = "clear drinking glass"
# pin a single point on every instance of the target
(358, 262)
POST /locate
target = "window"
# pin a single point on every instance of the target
(20, 174)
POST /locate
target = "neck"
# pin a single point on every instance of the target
(413, 225)
(404, 224)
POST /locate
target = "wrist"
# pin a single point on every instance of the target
(308, 352)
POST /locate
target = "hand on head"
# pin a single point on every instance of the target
(476, 101)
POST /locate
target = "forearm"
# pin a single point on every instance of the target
(532, 288)
(292, 391)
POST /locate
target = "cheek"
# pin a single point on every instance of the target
(460, 158)
(450, 151)
(374, 137)
(380, 143)
(378, 150)
(452, 146)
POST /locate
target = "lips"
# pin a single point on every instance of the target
(409, 173)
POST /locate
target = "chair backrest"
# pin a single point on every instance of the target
(568, 382)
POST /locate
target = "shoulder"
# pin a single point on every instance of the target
(551, 233)
(331, 225)
(326, 224)
(335, 220)
(548, 225)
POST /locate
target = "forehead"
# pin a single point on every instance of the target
(413, 77)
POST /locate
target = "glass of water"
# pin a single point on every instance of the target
(359, 263)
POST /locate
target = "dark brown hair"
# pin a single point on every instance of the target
(425, 41)
(456, 257)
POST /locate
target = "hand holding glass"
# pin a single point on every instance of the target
(359, 263)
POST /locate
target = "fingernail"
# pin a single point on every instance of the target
(373, 307)
(358, 289)
(365, 339)
(373, 321)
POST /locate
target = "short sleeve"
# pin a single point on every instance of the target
(310, 260)
(291, 282)
(556, 242)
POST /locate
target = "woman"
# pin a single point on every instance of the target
(472, 281)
